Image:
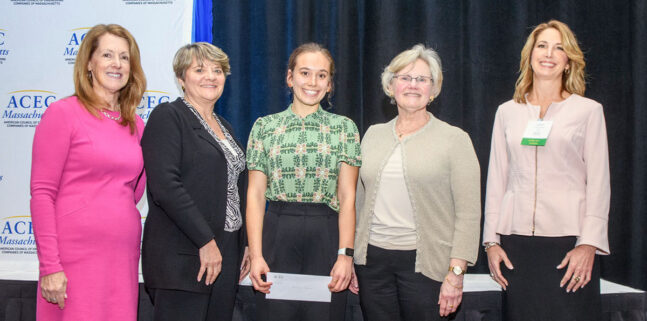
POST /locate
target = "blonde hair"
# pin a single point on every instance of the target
(200, 51)
(572, 81)
(130, 95)
(408, 57)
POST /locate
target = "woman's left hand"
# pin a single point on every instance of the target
(451, 294)
(580, 263)
(341, 273)
(245, 266)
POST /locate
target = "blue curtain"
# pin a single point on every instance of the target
(202, 21)
(259, 36)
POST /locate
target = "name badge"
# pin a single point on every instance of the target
(536, 133)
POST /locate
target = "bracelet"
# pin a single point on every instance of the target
(450, 283)
(488, 245)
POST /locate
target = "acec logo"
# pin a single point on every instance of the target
(28, 103)
(72, 44)
(151, 99)
(18, 232)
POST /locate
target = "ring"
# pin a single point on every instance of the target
(53, 300)
(577, 279)
(451, 306)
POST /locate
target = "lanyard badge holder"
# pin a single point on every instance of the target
(536, 133)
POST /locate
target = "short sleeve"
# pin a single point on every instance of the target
(349, 146)
(256, 156)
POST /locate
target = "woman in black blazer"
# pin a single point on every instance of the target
(193, 238)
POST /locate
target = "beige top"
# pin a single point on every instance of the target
(443, 181)
(392, 226)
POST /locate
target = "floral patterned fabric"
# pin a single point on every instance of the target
(301, 157)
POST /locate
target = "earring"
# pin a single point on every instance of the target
(430, 100)
(567, 71)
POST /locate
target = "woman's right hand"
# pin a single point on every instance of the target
(259, 267)
(53, 287)
(495, 255)
(210, 262)
(354, 284)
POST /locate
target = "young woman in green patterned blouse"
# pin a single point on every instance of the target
(304, 161)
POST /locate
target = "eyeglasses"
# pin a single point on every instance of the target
(420, 79)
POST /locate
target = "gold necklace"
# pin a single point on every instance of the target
(401, 132)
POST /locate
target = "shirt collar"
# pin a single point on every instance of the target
(555, 103)
(319, 114)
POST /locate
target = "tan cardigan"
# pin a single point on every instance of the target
(443, 179)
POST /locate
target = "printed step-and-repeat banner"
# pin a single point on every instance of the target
(39, 40)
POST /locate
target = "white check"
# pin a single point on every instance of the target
(299, 287)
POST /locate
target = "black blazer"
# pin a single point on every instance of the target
(187, 196)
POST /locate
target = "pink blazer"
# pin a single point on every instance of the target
(560, 189)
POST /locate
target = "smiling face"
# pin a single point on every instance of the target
(203, 82)
(412, 95)
(310, 79)
(110, 66)
(548, 58)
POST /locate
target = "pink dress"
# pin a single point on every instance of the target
(87, 176)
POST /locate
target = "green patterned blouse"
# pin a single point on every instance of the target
(301, 157)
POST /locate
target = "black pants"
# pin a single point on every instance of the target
(300, 238)
(534, 293)
(391, 290)
(218, 305)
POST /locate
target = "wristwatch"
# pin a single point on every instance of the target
(346, 251)
(488, 245)
(457, 270)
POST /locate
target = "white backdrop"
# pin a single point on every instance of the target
(38, 43)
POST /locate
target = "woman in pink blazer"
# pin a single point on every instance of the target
(547, 201)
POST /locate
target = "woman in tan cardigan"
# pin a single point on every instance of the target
(418, 201)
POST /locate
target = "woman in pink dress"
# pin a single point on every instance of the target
(87, 176)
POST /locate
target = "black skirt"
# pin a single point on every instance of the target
(300, 238)
(534, 293)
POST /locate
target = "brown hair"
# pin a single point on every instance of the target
(130, 96)
(572, 81)
(314, 47)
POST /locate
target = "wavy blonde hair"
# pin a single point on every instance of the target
(572, 81)
(130, 96)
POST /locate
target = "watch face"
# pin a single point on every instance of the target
(350, 252)
(457, 270)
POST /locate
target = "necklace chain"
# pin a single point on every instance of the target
(400, 132)
(117, 118)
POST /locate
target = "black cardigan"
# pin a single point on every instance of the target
(187, 196)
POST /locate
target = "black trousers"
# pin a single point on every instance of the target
(300, 238)
(391, 290)
(218, 305)
(534, 293)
